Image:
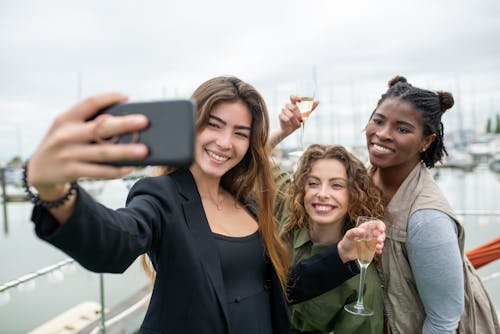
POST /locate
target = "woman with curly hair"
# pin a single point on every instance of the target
(429, 284)
(319, 204)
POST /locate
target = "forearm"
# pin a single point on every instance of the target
(440, 286)
(276, 136)
(318, 274)
(61, 212)
(437, 268)
(100, 239)
(58, 197)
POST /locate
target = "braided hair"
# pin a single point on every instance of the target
(431, 106)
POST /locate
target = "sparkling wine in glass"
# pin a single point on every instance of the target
(306, 91)
(365, 248)
(305, 106)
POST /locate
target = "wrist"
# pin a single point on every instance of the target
(51, 192)
(275, 137)
(49, 195)
(344, 254)
(285, 133)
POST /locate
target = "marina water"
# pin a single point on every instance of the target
(21, 252)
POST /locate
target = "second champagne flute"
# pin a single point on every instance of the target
(306, 90)
(365, 248)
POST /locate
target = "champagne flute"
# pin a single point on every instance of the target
(365, 248)
(305, 107)
(306, 90)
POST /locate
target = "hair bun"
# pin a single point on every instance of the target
(397, 79)
(445, 100)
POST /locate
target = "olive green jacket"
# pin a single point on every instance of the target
(325, 313)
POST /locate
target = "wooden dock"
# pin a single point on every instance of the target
(85, 318)
(72, 321)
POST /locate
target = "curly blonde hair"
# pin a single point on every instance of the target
(365, 199)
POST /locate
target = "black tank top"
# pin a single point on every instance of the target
(244, 272)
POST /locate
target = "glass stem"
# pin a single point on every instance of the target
(359, 302)
(302, 126)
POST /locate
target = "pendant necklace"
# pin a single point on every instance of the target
(218, 204)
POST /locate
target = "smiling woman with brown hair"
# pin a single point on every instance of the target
(212, 239)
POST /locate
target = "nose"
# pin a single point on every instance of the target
(323, 192)
(383, 132)
(223, 139)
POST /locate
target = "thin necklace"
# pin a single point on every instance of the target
(218, 204)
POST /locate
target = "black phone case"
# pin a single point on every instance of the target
(169, 136)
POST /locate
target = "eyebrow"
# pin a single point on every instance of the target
(408, 124)
(329, 180)
(240, 127)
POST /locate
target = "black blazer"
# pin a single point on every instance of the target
(165, 218)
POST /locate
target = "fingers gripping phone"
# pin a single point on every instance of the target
(169, 136)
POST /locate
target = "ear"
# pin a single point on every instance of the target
(427, 142)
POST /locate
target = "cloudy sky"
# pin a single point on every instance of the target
(54, 52)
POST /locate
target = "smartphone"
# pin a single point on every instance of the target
(169, 136)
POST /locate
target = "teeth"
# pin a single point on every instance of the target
(217, 157)
(323, 207)
(380, 148)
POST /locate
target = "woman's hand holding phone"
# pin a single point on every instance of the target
(68, 150)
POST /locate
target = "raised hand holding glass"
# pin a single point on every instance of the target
(365, 248)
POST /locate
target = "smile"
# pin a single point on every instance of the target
(381, 148)
(323, 207)
(216, 156)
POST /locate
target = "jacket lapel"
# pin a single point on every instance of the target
(198, 225)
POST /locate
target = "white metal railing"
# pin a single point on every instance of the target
(26, 279)
(478, 212)
(482, 213)
(491, 277)
(55, 275)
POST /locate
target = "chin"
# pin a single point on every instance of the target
(216, 173)
(211, 171)
(324, 220)
(375, 162)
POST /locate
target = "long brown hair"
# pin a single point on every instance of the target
(251, 179)
(364, 197)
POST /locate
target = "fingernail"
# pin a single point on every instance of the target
(139, 150)
(139, 119)
(127, 170)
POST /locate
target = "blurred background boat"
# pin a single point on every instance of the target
(494, 164)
